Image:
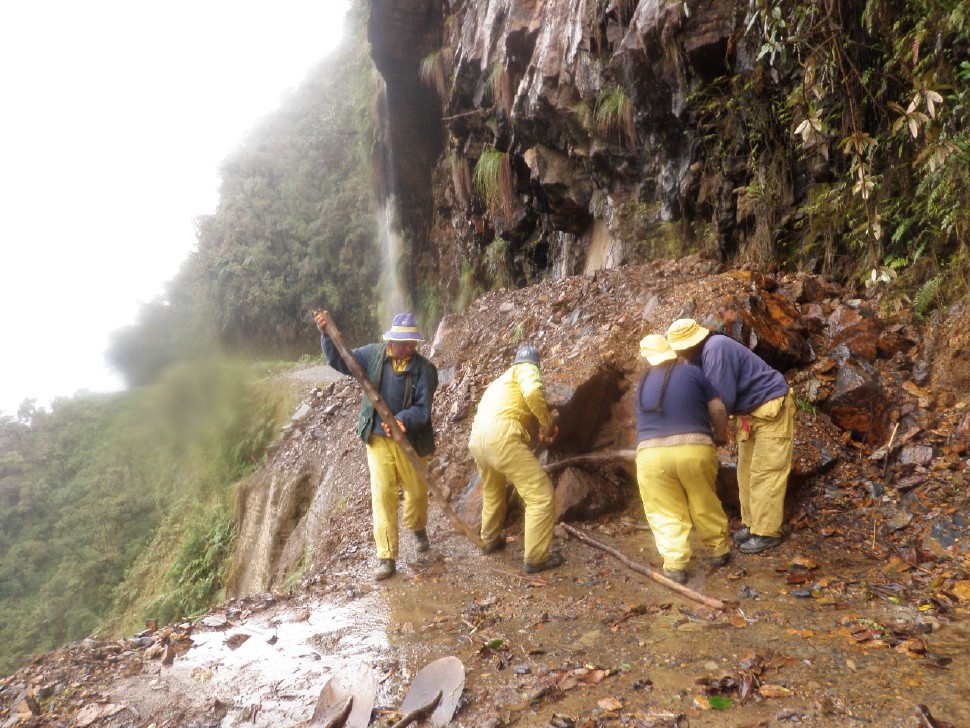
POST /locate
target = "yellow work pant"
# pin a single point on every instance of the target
(502, 454)
(390, 468)
(677, 489)
(765, 437)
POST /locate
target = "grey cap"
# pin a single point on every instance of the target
(528, 354)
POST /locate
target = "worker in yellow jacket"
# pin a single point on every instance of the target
(499, 444)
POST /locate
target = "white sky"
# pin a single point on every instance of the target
(114, 117)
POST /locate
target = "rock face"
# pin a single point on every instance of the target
(527, 138)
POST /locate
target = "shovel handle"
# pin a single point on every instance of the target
(419, 711)
(341, 716)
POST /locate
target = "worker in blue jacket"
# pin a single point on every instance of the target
(680, 420)
(406, 381)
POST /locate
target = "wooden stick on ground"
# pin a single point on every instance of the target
(399, 437)
(659, 578)
(889, 454)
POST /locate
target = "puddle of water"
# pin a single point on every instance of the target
(273, 678)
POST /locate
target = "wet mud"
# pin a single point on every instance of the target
(806, 638)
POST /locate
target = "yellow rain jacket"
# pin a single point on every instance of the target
(517, 395)
(499, 444)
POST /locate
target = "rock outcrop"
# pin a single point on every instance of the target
(526, 139)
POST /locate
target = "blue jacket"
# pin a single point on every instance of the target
(684, 406)
(408, 394)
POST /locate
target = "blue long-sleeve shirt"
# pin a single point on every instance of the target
(742, 378)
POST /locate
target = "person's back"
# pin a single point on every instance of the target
(684, 408)
(517, 395)
(763, 405)
(742, 378)
(499, 443)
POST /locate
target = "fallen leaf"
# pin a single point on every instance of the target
(769, 690)
(804, 562)
(593, 677)
(915, 390)
(719, 702)
(895, 565)
(962, 590)
(913, 647)
(610, 704)
(691, 627)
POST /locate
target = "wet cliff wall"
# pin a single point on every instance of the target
(556, 137)
(537, 138)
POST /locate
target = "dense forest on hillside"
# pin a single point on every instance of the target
(117, 507)
(843, 147)
(296, 228)
(120, 504)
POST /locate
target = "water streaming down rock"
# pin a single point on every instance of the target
(393, 293)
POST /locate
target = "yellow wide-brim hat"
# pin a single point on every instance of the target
(685, 333)
(655, 349)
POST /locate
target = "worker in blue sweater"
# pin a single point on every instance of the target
(680, 419)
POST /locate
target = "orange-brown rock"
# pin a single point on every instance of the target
(856, 328)
(856, 401)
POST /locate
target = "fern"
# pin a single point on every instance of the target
(928, 296)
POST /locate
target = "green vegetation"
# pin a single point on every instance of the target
(432, 72)
(493, 181)
(885, 112)
(613, 116)
(118, 508)
(461, 179)
(499, 86)
(295, 229)
(498, 262)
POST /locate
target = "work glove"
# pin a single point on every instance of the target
(550, 434)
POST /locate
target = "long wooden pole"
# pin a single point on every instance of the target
(596, 458)
(659, 578)
(399, 437)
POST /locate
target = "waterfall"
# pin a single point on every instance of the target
(393, 295)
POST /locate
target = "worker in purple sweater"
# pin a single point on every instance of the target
(763, 406)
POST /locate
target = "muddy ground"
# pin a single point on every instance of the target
(590, 644)
(859, 618)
